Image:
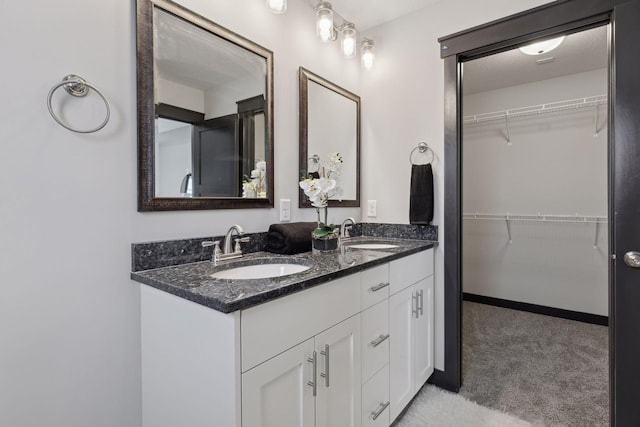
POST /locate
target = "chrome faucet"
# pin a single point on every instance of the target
(227, 239)
(344, 228)
(227, 253)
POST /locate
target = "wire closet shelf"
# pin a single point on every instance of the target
(571, 219)
(537, 218)
(533, 110)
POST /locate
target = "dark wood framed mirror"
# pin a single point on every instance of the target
(205, 113)
(329, 122)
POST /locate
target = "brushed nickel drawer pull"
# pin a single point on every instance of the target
(313, 384)
(379, 286)
(325, 375)
(379, 340)
(375, 414)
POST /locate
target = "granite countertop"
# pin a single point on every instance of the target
(193, 281)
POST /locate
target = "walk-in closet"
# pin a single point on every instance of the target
(535, 227)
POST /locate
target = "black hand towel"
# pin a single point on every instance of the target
(291, 238)
(421, 195)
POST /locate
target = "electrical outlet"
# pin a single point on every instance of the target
(371, 209)
(285, 210)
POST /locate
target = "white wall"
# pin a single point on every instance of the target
(69, 314)
(402, 104)
(222, 100)
(180, 95)
(554, 166)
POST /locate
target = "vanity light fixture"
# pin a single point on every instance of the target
(277, 6)
(542, 47)
(348, 40)
(367, 53)
(324, 22)
(327, 31)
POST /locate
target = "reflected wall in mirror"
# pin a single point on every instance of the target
(329, 122)
(205, 113)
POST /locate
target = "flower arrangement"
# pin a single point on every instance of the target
(320, 187)
(255, 186)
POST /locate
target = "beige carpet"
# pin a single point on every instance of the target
(433, 407)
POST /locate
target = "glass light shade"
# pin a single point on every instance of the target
(367, 54)
(277, 6)
(348, 40)
(324, 21)
(543, 47)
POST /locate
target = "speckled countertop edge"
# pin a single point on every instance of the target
(194, 283)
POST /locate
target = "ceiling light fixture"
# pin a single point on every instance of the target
(277, 6)
(367, 54)
(348, 40)
(542, 47)
(324, 22)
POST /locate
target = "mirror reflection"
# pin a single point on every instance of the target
(330, 122)
(208, 143)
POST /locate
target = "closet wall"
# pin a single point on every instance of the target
(554, 165)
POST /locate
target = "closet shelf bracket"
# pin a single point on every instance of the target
(506, 124)
(596, 131)
(595, 239)
(508, 221)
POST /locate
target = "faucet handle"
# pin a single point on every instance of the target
(239, 240)
(216, 249)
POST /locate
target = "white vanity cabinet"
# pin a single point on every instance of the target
(350, 352)
(411, 320)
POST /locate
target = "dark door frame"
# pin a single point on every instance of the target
(562, 16)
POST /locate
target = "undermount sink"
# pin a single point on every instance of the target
(372, 246)
(260, 271)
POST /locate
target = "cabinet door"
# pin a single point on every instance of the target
(338, 402)
(275, 393)
(401, 350)
(423, 332)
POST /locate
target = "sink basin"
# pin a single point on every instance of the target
(372, 246)
(260, 271)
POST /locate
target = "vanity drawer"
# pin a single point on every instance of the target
(374, 285)
(271, 328)
(375, 400)
(375, 339)
(406, 271)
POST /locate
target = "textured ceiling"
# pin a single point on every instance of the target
(579, 52)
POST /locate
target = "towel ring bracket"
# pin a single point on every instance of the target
(422, 147)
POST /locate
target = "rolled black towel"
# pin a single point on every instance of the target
(291, 238)
(421, 195)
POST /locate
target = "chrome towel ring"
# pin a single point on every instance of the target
(77, 86)
(422, 148)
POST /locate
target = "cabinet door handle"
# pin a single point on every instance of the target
(414, 303)
(314, 361)
(375, 414)
(378, 340)
(325, 375)
(420, 294)
(379, 286)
